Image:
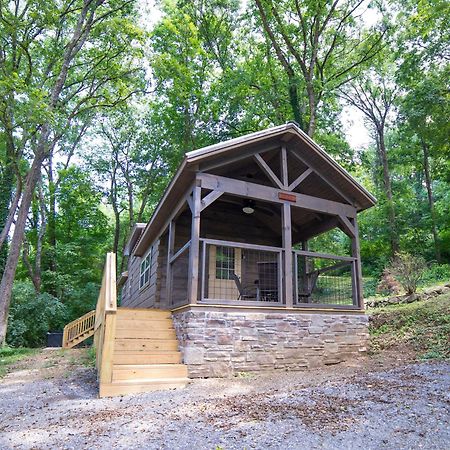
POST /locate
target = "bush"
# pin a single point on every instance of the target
(408, 270)
(369, 286)
(32, 315)
(436, 273)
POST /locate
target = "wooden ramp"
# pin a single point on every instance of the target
(145, 355)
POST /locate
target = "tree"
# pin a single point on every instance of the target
(321, 46)
(423, 74)
(61, 62)
(423, 111)
(128, 160)
(374, 95)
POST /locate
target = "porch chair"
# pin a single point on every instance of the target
(245, 292)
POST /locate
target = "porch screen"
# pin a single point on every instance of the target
(224, 263)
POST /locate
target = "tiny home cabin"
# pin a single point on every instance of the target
(227, 253)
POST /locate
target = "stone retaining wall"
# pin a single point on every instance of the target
(426, 294)
(220, 344)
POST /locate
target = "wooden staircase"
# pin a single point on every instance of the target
(79, 330)
(136, 349)
(146, 356)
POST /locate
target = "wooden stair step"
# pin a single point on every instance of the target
(137, 386)
(128, 323)
(145, 334)
(148, 371)
(141, 313)
(145, 344)
(150, 357)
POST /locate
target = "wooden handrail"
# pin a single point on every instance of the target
(78, 330)
(105, 321)
(100, 323)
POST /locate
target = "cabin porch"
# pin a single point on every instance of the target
(259, 258)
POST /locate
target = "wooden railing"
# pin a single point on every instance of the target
(79, 330)
(105, 321)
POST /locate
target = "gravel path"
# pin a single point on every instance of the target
(49, 402)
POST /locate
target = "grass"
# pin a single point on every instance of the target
(424, 326)
(9, 355)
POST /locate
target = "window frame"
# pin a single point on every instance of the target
(145, 269)
(227, 266)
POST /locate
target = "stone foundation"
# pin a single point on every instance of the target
(221, 344)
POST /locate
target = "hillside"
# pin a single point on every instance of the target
(422, 328)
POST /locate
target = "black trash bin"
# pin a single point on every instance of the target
(54, 339)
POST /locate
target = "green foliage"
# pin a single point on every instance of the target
(408, 270)
(9, 355)
(424, 326)
(434, 274)
(32, 316)
(215, 74)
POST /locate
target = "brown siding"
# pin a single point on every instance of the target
(132, 296)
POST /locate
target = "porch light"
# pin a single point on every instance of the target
(249, 207)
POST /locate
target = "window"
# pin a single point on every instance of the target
(145, 269)
(224, 263)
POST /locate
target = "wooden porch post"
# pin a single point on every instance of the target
(287, 246)
(357, 272)
(305, 271)
(194, 250)
(170, 247)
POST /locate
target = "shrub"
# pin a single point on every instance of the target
(408, 270)
(436, 273)
(388, 284)
(32, 315)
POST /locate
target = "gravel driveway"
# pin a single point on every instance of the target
(49, 401)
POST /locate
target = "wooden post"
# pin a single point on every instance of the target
(170, 247)
(284, 167)
(357, 271)
(305, 270)
(287, 246)
(106, 364)
(194, 250)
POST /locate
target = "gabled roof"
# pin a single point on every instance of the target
(289, 132)
(134, 237)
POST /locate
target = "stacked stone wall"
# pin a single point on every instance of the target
(221, 344)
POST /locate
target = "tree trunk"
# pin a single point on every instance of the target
(116, 230)
(393, 237)
(426, 169)
(294, 101)
(312, 111)
(50, 251)
(6, 193)
(51, 226)
(18, 235)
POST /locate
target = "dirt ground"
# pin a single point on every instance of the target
(391, 401)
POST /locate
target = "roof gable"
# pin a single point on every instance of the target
(233, 152)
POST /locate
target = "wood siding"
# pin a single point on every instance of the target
(145, 297)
